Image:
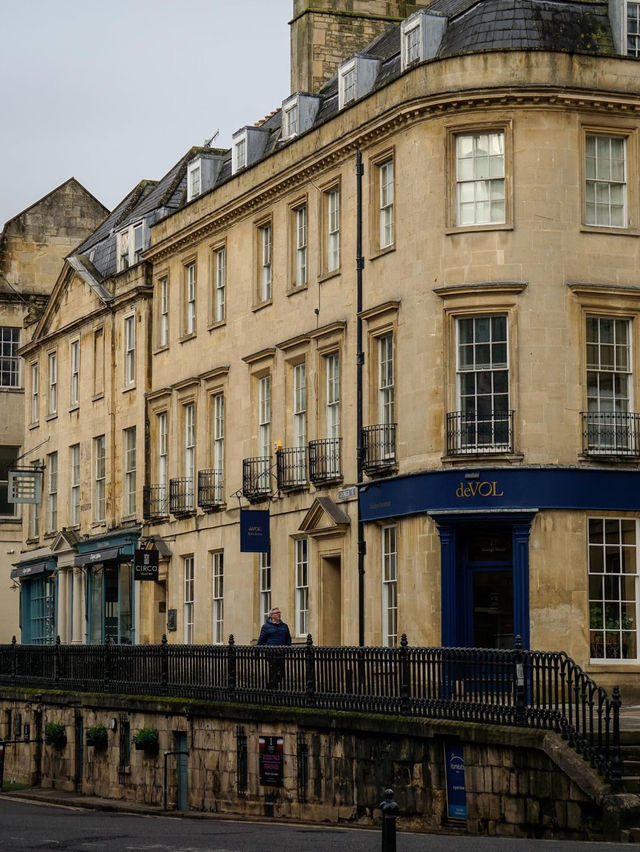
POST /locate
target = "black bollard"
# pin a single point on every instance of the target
(389, 810)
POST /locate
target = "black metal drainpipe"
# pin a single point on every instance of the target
(360, 365)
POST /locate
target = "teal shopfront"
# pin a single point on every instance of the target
(107, 563)
(38, 594)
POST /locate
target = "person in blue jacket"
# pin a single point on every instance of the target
(274, 630)
(275, 633)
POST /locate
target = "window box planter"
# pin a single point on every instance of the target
(97, 737)
(55, 735)
(146, 740)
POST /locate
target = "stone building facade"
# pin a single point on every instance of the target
(33, 245)
(450, 451)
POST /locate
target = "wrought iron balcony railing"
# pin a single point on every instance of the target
(181, 496)
(472, 433)
(155, 502)
(378, 447)
(291, 467)
(610, 433)
(325, 460)
(210, 488)
(256, 478)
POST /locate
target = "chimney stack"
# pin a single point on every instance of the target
(325, 32)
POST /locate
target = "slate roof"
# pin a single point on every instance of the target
(472, 26)
(149, 200)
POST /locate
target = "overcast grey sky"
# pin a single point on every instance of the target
(114, 91)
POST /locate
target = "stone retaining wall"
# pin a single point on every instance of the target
(518, 782)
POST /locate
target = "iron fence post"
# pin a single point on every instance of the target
(164, 663)
(310, 659)
(106, 663)
(14, 659)
(231, 667)
(616, 758)
(56, 661)
(405, 686)
(518, 677)
(389, 810)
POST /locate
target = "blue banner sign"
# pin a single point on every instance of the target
(456, 789)
(254, 531)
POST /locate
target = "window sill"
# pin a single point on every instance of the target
(293, 290)
(33, 540)
(472, 229)
(96, 524)
(49, 535)
(97, 396)
(217, 324)
(634, 665)
(160, 349)
(35, 425)
(14, 520)
(128, 388)
(382, 252)
(476, 458)
(608, 229)
(328, 275)
(74, 409)
(52, 416)
(613, 458)
(185, 337)
(260, 305)
(11, 389)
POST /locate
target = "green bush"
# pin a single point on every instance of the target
(55, 735)
(97, 737)
(147, 740)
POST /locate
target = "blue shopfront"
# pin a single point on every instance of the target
(484, 520)
(37, 580)
(110, 589)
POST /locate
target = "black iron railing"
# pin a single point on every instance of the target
(378, 447)
(291, 467)
(181, 500)
(471, 433)
(325, 460)
(210, 489)
(535, 689)
(155, 502)
(610, 433)
(256, 478)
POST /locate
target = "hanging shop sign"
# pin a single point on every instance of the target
(254, 531)
(145, 565)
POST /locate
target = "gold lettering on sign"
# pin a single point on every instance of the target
(478, 489)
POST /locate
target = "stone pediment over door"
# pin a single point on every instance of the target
(325, 518)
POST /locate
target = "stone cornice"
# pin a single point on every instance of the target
(261, 355)
(420, 108)
(477, 287)
(630, 291)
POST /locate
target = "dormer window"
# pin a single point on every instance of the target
(420, 37)
(130, 245)
(298, 114)
(348, 83)
(240, 154)
(291, 121)
(194, 172)
(247, 146)
(356, 78)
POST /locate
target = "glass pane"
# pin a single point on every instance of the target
(595, 530)
(611, 531)
(595, 589)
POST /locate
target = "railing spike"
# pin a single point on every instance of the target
(404, 641)
(232, 641)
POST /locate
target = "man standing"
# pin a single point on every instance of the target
(275, 633)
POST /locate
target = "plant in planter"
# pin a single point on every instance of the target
(147, 740)
(55, 735)
(97, 737)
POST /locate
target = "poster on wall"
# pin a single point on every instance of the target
(145, 565)
(271, 756)
(456, 789)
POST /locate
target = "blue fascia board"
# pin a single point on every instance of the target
(125, 541)
(501, 489)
